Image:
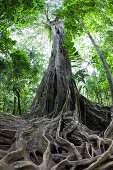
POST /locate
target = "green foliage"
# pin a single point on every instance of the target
(75, 57)
(97, 89)
(97, 18)
(19, 70)
(6, 43)
(109, 37)
(18, 12)
(94, 14)
(20, 63)
(2, 64)
(53, 8)
(75, 10)
(80, 76)
(22, 72)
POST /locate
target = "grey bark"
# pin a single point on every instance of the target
(14, 108)
(57, 85)
(16, 92)
(98, 92)
(19, 105)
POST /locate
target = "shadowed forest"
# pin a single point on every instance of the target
(56, 85)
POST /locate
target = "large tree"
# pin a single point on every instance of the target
(61, 130)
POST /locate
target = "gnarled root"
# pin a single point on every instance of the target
(60, 143)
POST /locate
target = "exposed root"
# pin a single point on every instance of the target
(66, 143)
(106, 166)
(102, 158)
(23, 165)
(47, 157)
(109, 131)
(60, 143)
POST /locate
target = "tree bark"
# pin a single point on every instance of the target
(19, 105)
(57, 86)
(16, 92)
(0, 80)
(14, 109)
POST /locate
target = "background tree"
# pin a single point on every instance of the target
(20, 80)
(20, 68)
(76, 12)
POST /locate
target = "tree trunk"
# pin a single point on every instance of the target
(56, 139)
(19, 105)
(0, 80)
(101, 98)
(16, 92)
(14, 109)
(106, 67)
(57, 86)
(96, 93)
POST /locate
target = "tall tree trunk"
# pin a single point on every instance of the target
(19, 105)
(96, 92)
(101, 98)
(14, 107)
(57, 86)
(0, 79)
(106, 67)
(16, 92)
